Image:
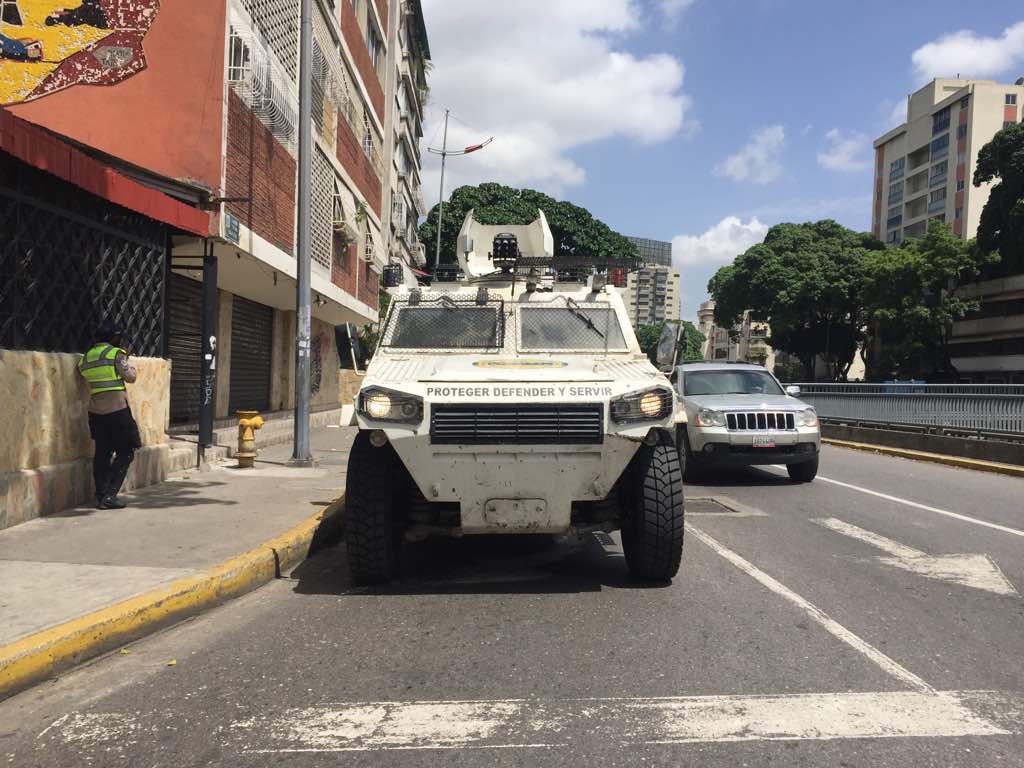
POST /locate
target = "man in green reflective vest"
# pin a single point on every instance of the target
(105, 367)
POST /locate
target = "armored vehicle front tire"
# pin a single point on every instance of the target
(652, 525)
(373, 530)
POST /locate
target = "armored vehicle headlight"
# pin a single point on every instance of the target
(709, 417)
(808, 418)
(648, 405)
(385, 405)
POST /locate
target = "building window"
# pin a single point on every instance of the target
(373, 42)
(940, 146)
(893, 237)
(940, 121)
(367, 136)
(959, 213)
(239, 58)
(939, 171)
(964, 102)
(961, 131)
(894, 222)
(960, 186)
(896, 168)
(895, 192)
(961, 158)
(1011, 99)
(937, 195)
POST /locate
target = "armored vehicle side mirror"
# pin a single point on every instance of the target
(667, 342)
(793, 390)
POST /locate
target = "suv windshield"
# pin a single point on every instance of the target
(444, 325)
(730, 383)
(572, 326)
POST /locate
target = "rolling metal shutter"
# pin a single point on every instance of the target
(251, 331)
(184, 346)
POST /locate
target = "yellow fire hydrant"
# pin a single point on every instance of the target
(248, 423)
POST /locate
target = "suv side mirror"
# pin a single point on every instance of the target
(793, 390)
(666, 353)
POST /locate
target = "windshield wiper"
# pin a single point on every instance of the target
(574, 308)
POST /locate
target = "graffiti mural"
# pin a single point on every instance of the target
(49, 45)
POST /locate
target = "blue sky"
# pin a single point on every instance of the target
(698, 121)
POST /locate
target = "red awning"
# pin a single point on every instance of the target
(41, 149)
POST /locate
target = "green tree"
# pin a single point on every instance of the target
(1002, 219)
(805, 280)
(575, 230)
(690, 341)
(912, 297)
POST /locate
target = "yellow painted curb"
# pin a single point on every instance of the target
(34, 658)
(963, 462)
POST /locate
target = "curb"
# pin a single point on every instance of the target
(40, 656)
(962, 462)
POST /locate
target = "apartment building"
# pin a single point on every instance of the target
(653, 252)
(750, 344)
(406, 94)
(653, 295)
(923, 172)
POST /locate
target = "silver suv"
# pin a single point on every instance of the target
(739, 415)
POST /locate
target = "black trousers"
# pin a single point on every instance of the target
(117, 437)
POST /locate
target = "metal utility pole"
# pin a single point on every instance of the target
(208, 387)
(443, 152)
(301, 455)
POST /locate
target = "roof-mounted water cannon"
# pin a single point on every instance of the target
(505, 251)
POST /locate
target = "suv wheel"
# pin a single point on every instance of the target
(692, 470)
(803, 472)
(652, 526)
(373, 532)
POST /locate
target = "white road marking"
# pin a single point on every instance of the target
(815, 614)
(925, 507)
(977, 571)
(552, 723)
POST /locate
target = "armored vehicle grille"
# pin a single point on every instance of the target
(760, 420)
(536, 424)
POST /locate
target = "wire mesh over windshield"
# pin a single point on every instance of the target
(444, 322)
(570, 326)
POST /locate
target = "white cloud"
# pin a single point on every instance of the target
(844, 152)
(671, 10)
(718, 245)
(698, 257)
(543, 79)
(970, 55)
(758, 160)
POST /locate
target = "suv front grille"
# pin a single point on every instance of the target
(537, 424)
(760, 420)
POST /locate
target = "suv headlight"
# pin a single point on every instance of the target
(647, 405)
(709, 417)
(808, 417)
(382, 404)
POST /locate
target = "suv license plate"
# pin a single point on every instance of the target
(763, 441)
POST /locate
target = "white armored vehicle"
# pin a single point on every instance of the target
(510, 401)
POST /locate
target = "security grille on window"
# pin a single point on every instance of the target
(278, 23)
(367, 136)
(369, 249)
(398, 212)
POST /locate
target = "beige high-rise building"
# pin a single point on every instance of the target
(923, 167)
(406, 94)
(923, 172)
(652, 295)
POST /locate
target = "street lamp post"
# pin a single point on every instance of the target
(301, 455)
(443, 152)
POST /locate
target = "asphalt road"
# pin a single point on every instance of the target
(873, 617)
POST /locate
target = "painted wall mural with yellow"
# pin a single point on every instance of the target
(49, 45)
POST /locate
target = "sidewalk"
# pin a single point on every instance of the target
(59, 568)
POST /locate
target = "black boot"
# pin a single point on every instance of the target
(111, 502)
